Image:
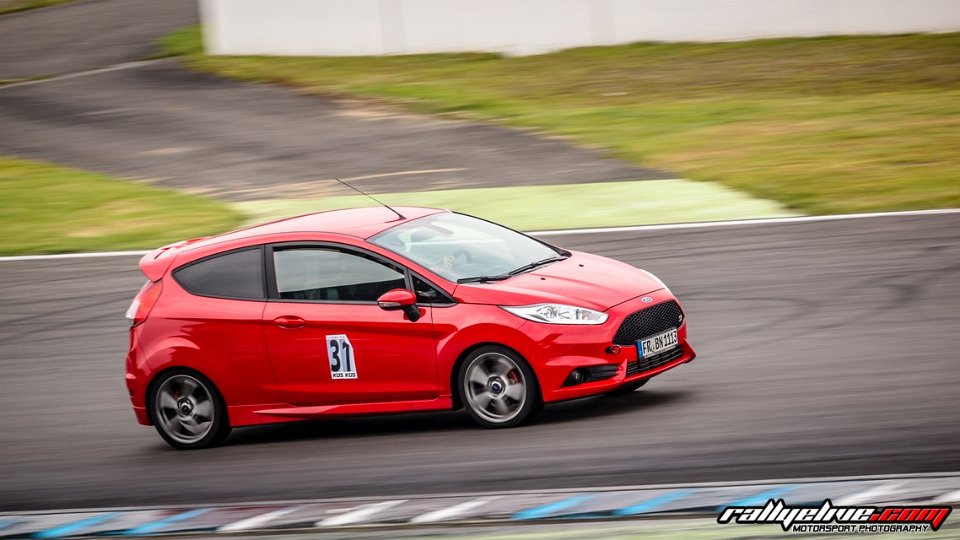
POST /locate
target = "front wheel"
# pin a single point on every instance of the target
(188, 411)
(498, 387)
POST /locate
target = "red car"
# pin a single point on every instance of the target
(365, 311)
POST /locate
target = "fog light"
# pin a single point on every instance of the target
(614, 349)
(576, 376)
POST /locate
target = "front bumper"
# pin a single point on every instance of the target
(560, 350)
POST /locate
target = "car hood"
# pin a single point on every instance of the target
(583, 280)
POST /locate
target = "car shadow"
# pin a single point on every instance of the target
(590, 408)
(584, 409)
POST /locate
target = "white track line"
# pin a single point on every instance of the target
(108, 69)
(738, 222)
(599, 230)
(869, 495)
(257, 521)
(397, 173)
(92, 255)
(452, 511)
(358, 514)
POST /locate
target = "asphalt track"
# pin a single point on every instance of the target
(159, 123)
(826, 348)
(86, 34)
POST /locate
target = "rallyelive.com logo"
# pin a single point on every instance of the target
(831, 519)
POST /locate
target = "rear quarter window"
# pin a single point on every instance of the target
(238, 274)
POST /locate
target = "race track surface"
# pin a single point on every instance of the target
(162, 124)
(825, 349)
(87, 34)
(158, 122)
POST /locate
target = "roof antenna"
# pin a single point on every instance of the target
(401, 216)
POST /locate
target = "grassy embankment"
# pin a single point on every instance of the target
(825, 125)
(820, 125)
(51, 209)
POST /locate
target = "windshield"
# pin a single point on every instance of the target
(458, 247)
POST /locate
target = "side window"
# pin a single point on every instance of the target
(233, 275)
(331, 275)
(426, 293)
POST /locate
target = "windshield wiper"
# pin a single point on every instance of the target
(535, 264)
(483, 279)
(501, 277)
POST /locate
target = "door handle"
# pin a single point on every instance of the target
(290, 321)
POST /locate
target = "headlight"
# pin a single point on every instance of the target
(558, 314)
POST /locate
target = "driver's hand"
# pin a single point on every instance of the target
(449, 261)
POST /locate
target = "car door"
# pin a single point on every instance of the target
(329, 341)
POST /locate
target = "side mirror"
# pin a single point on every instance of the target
(400, 300)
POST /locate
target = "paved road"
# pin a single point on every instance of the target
(825, 349)
(238, 141)
(163, 124)
(88, 34)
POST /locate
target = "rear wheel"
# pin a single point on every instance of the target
(188, 411)
(628, 388)
(499, 389)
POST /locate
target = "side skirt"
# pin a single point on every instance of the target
(249, 415)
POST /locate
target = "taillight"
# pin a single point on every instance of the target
(144, 301)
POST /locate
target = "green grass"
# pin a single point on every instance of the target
(51, 209)
(821, 125)
(534, 208)
(12, 6)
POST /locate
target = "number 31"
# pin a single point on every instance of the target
(340, 354)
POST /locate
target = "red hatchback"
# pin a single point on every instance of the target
(363, 311)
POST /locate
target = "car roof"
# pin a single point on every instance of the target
(360, 222)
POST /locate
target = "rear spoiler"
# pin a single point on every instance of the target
(156, 263)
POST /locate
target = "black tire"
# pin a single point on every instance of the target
(508, 382)
(628, 388)
(196, 405)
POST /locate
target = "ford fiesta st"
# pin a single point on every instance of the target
(377, 310)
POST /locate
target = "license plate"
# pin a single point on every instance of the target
(657, 344)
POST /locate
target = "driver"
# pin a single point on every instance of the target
(449, 262)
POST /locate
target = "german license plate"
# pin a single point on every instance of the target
(657, 344)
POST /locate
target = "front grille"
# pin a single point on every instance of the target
(644, 364)
(649, 321)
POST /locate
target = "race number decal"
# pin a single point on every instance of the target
(342, 362)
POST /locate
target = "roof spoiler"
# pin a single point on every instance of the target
(156, 263)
